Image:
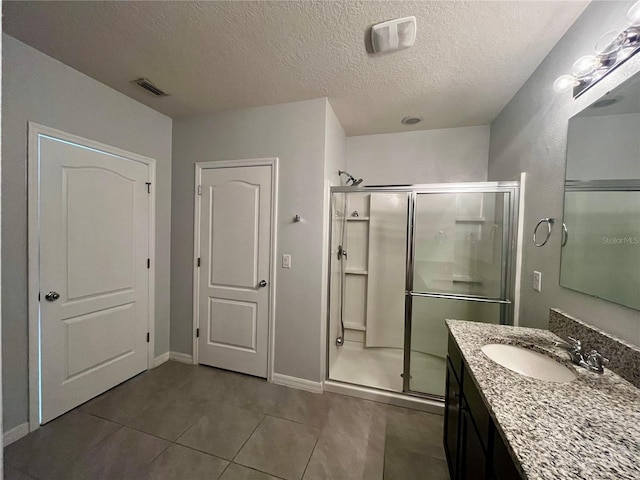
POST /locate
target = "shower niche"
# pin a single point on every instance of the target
(404, 259)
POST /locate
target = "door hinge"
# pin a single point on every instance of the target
(198, 261)
(199, 189)
(148, 263)
(197, 333)
(148, 337)
(148, 187)
(38, 296)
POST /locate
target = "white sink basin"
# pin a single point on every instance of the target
(529, 363)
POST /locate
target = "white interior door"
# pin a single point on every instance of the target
(234, 273)
(94, 277)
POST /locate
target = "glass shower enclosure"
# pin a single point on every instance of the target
(404, 259)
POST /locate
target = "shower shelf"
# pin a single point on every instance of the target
(470, 219)
(356, 272)
(357, 219)
(355, 326)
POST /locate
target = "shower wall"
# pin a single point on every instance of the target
(372, 229)
(368, 287)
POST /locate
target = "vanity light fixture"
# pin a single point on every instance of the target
(611, 50)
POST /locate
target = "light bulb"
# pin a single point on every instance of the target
(564, 83)
(609, 43)
(584, 66)
(633, 15)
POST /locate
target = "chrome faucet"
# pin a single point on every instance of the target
(592, 361)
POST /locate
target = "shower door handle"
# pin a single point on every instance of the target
(262, 283)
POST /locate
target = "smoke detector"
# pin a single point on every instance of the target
(411, 120)
(150, 87)
(393, 35)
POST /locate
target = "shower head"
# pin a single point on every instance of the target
(350, 178)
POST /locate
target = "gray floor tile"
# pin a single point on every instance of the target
(238, 472)
(168, 375)
(54, 446)
(221, 415)
(344, 457)
(124, 402)
(356, 418)
(222, 431)
(209, 384)
(414, 431)
(404, 464)
(257, 394)
(279, 447)
(119, 456)
(182, 463)
(300, 406)
(169, 418)
(11, 473)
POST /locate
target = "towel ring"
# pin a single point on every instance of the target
(549, 222)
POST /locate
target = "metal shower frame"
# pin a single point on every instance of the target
(507, 287)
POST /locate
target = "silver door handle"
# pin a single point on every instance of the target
(52, 296)
(262, 283)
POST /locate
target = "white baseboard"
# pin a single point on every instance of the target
(160, 359)
(15, 434)
(181, 357)
(299, 383)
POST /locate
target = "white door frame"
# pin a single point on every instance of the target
(256, 162)
(35, 130)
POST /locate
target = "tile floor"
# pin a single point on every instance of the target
(190, 422)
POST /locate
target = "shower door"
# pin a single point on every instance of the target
(457, 269)
(402, 261)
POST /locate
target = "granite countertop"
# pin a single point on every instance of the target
(588, 428)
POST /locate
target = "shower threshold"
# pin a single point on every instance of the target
(384, 396)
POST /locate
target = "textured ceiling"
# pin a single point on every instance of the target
(468, 61)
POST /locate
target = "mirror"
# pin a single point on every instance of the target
(601, 230)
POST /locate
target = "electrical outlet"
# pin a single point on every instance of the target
(537, 281)
(286, 261)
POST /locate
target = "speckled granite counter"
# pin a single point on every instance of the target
(588, 428)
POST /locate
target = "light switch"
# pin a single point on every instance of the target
(537, 281)
(286, 261)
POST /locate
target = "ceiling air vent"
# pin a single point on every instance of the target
(150, 87)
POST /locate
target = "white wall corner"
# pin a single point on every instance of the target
(15, 434)
(160, 359)
(181, 357)
(519, 250)
(299, 383)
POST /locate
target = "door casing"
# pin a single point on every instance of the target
(200, 166)
(34, 131)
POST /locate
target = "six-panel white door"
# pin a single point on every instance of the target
(94, 245)
(235, 236)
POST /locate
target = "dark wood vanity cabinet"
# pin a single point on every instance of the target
(474, 448)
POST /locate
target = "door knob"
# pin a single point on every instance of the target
(262, 283)
(52, 296)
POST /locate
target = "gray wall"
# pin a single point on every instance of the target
(530, 135)
(37, 88)
(427, 156)
(295, 133)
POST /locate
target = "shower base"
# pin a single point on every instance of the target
(381, 368)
